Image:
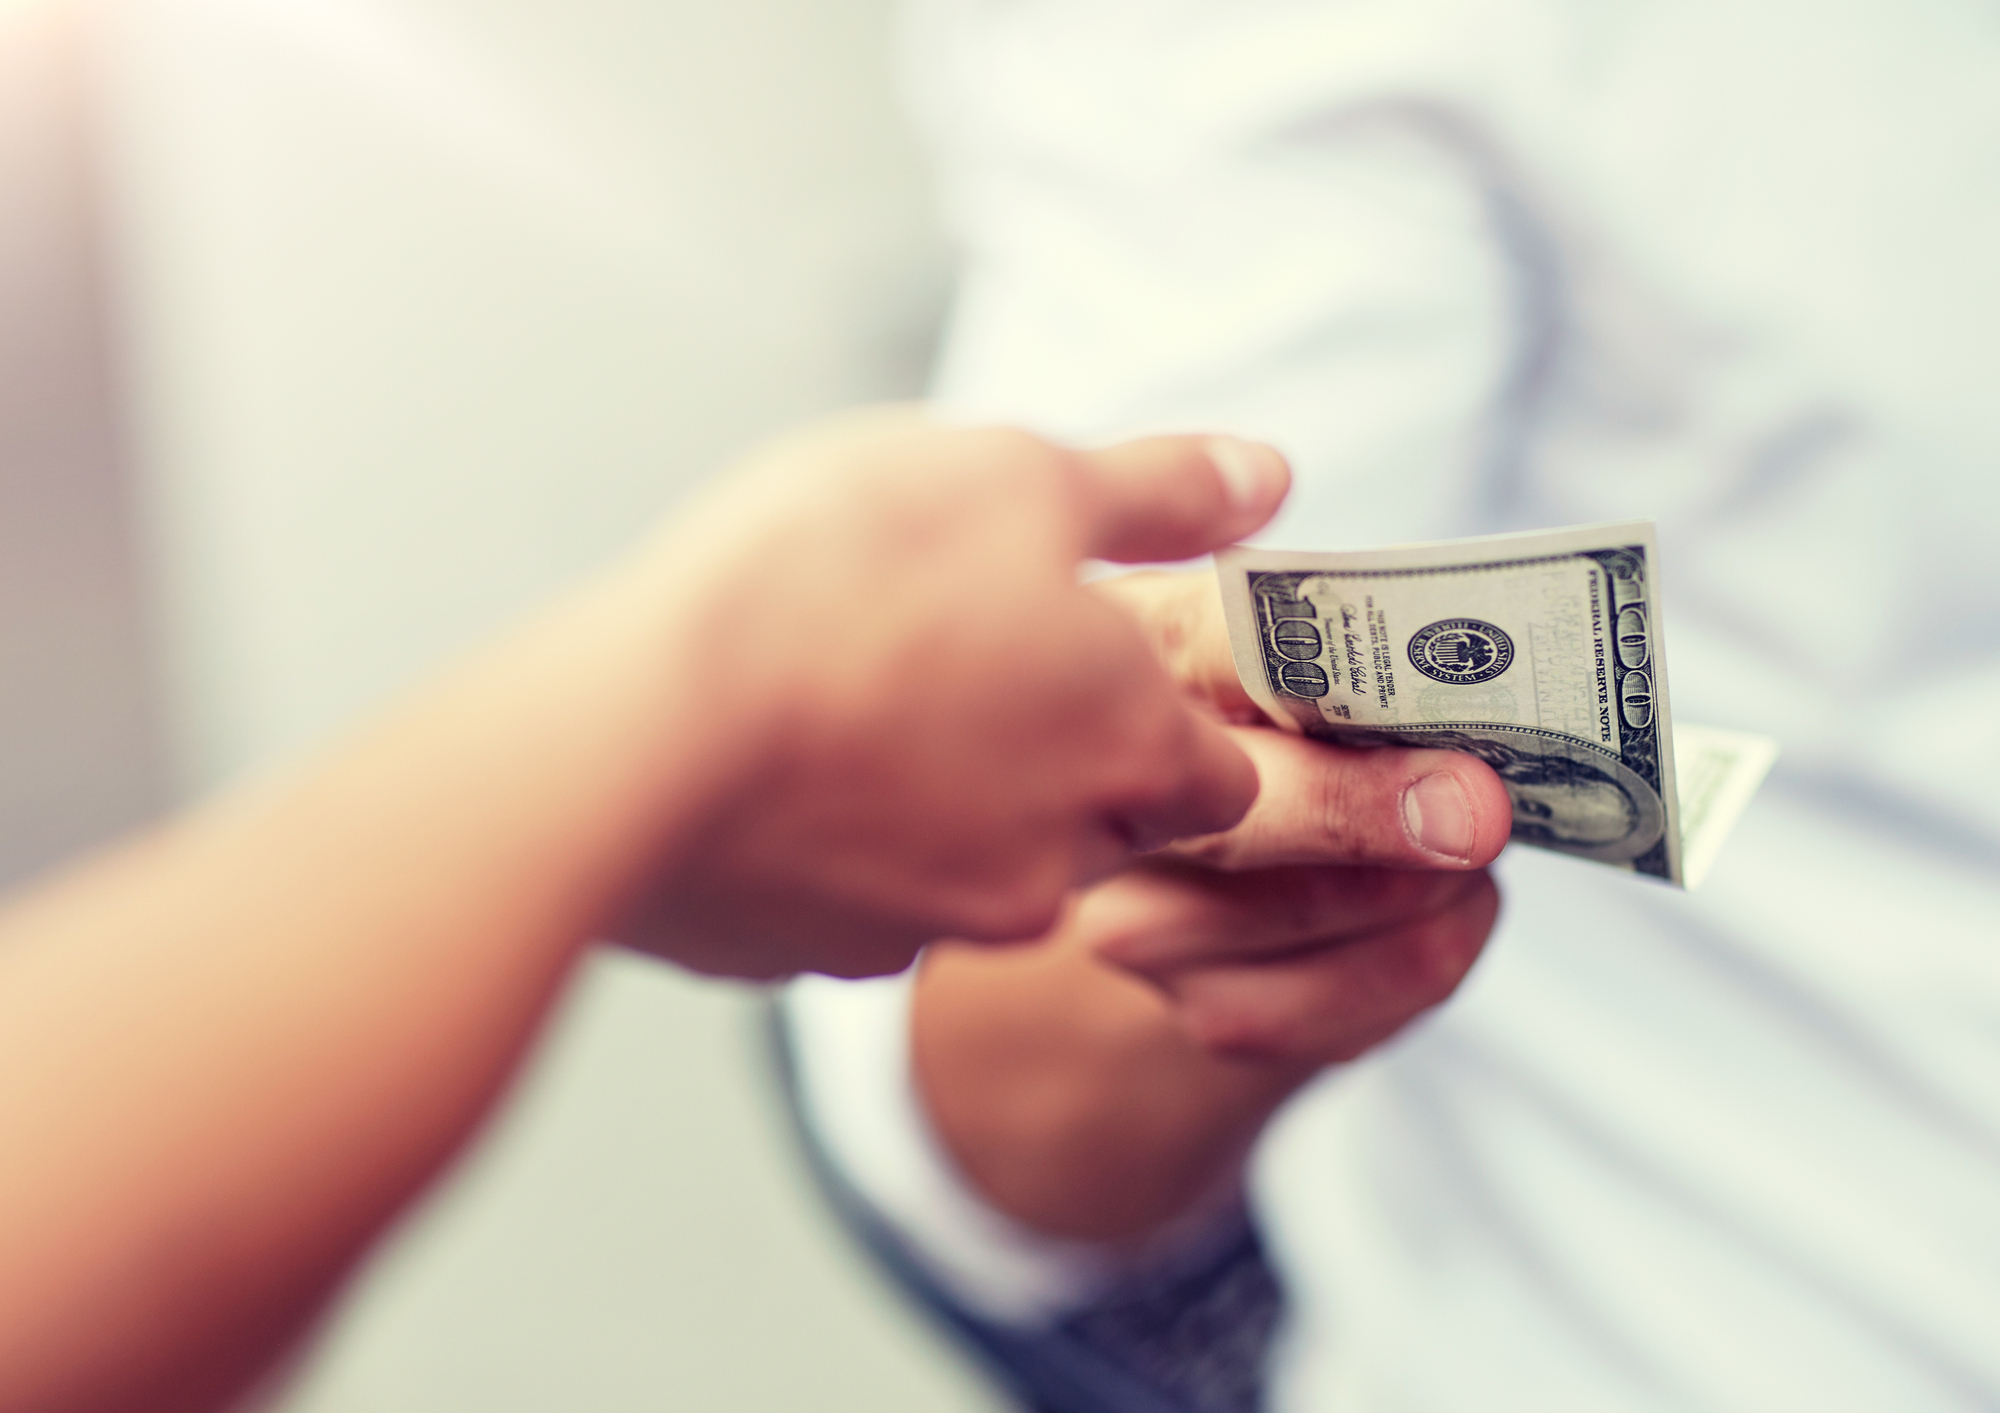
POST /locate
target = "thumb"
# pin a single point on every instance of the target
(1215, 788)
(1166, 498)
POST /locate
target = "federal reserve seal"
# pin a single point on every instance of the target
(1461, 651)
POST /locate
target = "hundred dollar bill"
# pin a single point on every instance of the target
(1716, 772)
(1541, 653)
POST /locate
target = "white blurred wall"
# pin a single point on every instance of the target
(430, 304)
(440, 301)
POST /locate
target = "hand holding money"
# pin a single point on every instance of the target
(1350, 898)
(1543, 654)
(1316, 803)
(1099, 1085)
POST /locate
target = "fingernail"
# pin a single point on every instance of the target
(1439, 817)
(1255, 474)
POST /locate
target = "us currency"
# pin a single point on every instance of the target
(1542, 654)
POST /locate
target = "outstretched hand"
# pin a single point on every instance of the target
(935, 730)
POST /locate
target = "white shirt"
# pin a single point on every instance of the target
(1492, 264)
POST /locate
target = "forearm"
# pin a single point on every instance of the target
(230, 1052)
(1069, 1095)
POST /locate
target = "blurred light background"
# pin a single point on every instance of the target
(334, 332)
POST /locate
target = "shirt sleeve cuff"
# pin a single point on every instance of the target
(850, 1043)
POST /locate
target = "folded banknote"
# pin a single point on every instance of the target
(1543, 654)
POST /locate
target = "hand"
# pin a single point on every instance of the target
(935, 730)
(1100, 1086)
(1298, 967)
(1351, 898)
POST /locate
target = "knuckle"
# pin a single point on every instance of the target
(1334, 805)
(1325, 801)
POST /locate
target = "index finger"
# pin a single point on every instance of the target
(1319, 803)
(1168, 498)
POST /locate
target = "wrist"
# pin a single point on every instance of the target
(1071, 1097)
